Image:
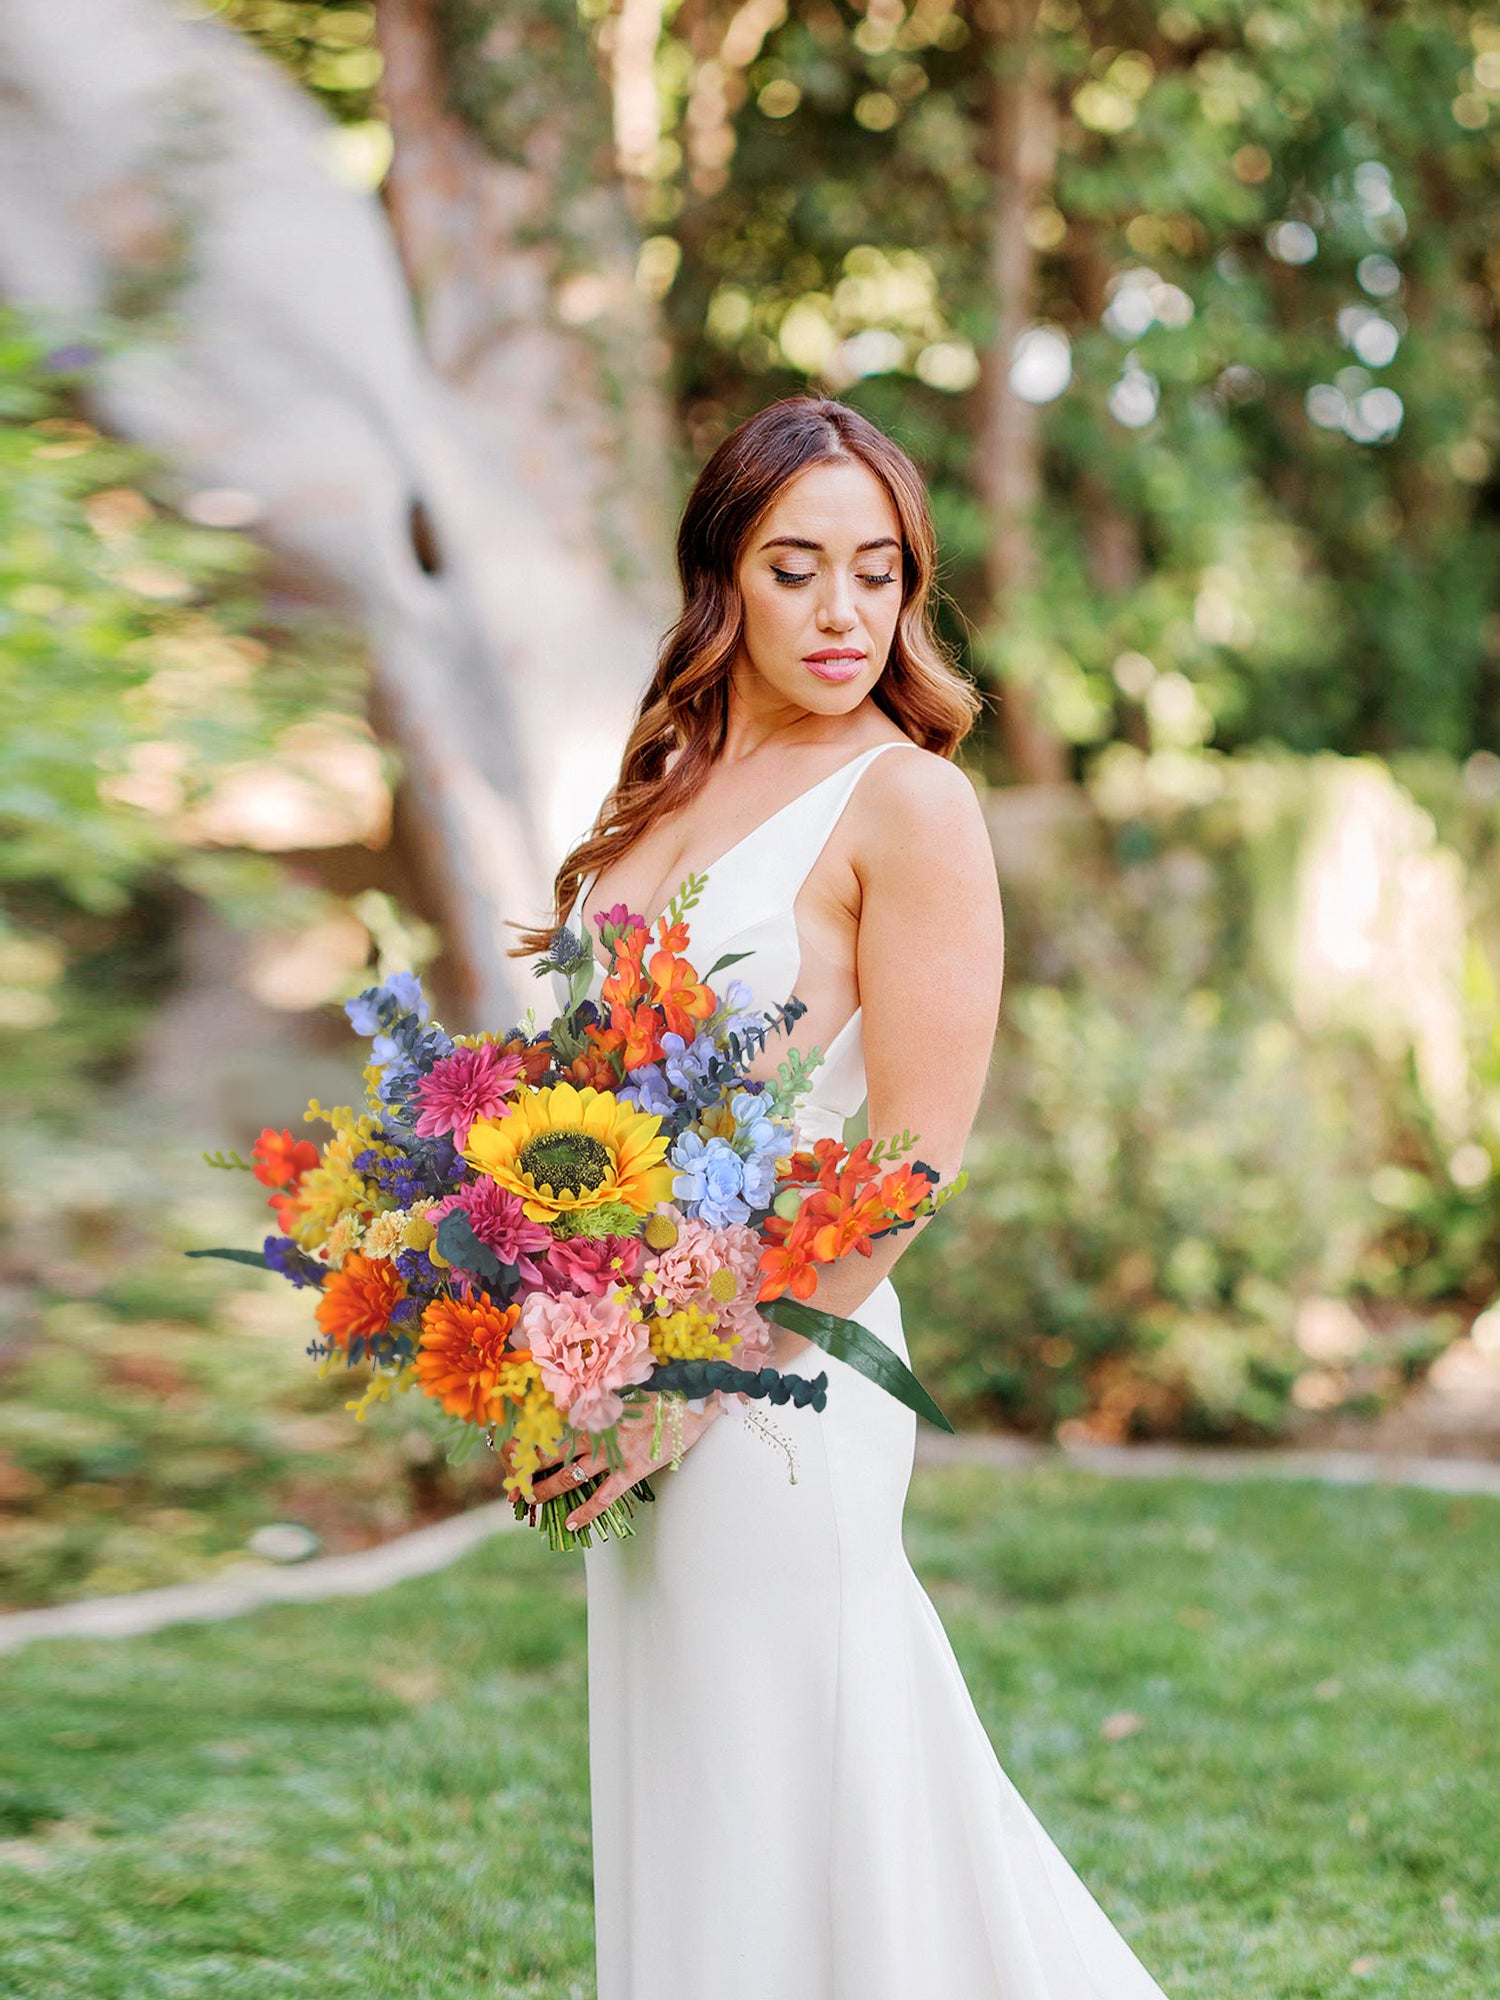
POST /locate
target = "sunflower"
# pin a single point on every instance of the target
(563, 1150)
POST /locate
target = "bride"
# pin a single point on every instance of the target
(793, 1795)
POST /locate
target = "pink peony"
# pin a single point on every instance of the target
(584, 1264)
(469, 1084)
(501, 1224)
(587, 1350)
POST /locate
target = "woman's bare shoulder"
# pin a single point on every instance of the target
(920, 797)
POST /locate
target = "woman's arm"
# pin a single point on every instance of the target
(930, 960)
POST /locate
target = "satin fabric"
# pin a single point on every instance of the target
(793, 1796)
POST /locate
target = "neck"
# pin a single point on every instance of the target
(759, 715)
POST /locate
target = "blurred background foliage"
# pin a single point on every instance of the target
(1189, 314)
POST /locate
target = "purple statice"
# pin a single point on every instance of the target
(285, 1258)
(397, 1176)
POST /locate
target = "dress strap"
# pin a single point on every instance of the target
(802, 832)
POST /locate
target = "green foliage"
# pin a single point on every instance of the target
(1172, 1163)
(1261, 227)
(328, 45)
(141, 664)
(321, 1792)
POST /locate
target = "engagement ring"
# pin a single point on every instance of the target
(579, 1474)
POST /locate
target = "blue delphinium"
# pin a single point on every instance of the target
(381, 1007)
(687, 1063)
(406, 1044)
(758, 1140)
(647, 1091)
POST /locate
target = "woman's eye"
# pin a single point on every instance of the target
(807, 575)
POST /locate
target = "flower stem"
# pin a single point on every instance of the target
(551, 1516)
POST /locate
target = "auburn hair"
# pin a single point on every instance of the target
(680, 723)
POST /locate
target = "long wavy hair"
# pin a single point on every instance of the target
(681, 721)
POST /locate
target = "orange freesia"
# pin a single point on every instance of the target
(359, 1298)
(639, 1034)
(903, 1193)
(787, 1268)
(592, 1070)
(683, 999)
(536, 1057)
(463, 1362)
(626, 985)
(279, 1159)
(673, 937)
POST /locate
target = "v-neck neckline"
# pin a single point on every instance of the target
(744, 840)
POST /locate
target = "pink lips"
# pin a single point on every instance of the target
(835, 666)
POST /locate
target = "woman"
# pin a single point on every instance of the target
(793, 1796)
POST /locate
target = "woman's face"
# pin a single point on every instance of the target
(820, 578)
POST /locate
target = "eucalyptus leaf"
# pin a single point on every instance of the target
(846, 1340)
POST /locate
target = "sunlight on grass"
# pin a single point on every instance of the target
(1248, 1714)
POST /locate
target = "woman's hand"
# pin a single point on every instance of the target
(639, 1460)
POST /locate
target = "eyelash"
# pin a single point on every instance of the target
(806, 576)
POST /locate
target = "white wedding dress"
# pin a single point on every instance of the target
(794, 1797)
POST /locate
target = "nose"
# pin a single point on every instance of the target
(836, 611)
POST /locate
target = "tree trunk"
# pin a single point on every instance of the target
(520, 250)
(1023, 147)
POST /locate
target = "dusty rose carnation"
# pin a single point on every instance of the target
(587, 1350)
(585, 1264)
(682, 1276)
(469, 1084)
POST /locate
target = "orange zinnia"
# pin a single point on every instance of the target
(463, 1362)
(359, 1298)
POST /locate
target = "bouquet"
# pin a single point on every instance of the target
(561, 1229)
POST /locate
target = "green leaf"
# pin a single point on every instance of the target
(255, 1257)
(722, 964)
(846, 1340)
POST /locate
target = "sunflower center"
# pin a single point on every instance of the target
(567, 1162)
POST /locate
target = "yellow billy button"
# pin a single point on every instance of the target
(661, 1232)
(723, 1286)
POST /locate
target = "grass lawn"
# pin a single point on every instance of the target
(1255, 1717)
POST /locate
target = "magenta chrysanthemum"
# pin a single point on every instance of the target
(500, 1222)
(469, 1084)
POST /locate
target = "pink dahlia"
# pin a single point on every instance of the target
(587, 1350)
(586, 1264)
(469, 1084)
(501, 1224)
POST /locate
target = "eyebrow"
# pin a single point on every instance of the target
(800, 542)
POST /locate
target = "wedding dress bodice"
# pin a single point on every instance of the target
(748, 905)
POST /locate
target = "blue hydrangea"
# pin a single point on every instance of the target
(709, 1179)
